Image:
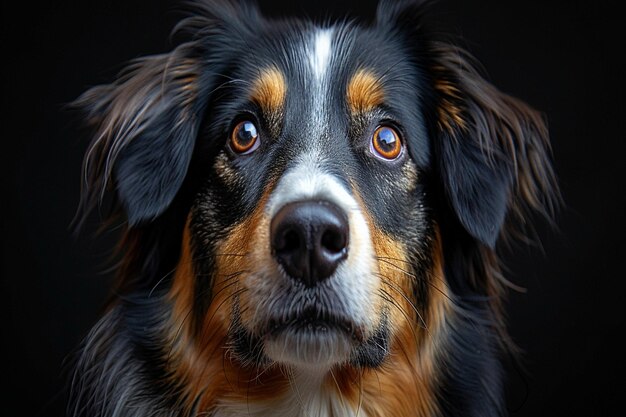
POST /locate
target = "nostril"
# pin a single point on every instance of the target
(333, 240)
(288, 241)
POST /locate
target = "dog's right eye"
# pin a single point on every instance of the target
(244, 138)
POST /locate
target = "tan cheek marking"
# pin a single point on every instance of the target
(181, 294)
(185, 354)
(395, 277)
(201, 360)
(364, 92)
(250, 241)
(269, 90)
(391, 269)
(407, 383)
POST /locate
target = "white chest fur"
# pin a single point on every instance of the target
(307, 396)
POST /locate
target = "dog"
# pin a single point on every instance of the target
(310, 214)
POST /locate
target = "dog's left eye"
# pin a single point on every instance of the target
(244, 138)
(386, 143)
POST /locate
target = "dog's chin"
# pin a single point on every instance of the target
(307, 342)
(312, 343)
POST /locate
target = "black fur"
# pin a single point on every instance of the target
(477, 160)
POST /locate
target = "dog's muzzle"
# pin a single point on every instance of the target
(312, 295)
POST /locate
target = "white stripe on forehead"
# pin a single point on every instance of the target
(321, 52)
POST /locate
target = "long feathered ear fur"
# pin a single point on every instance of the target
(147, 121)
(492, 153)
(146, 124)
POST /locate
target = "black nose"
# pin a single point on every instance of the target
(309, 239)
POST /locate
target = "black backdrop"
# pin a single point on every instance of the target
(561, 58)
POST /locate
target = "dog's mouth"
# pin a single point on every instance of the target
(312, 337)
(314, 322)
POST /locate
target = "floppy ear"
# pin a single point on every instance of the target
(147, 121)
(146, 126)
(491, 151)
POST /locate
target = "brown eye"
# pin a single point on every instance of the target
(386, 143)
(244, 137)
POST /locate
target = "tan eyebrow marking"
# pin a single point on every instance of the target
(364, 92)
(269, 90)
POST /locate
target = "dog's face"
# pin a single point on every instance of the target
(313, 203)
(328, 197)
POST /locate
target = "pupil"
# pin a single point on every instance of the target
(386, 138)
(247, 132)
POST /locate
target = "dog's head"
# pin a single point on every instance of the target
(330, 189)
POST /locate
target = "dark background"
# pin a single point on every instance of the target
(561, 57)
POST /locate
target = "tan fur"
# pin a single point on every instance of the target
(405, 385)
(269, 90)
(364, 91)
(202, 360)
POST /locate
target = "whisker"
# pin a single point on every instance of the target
(232, 254)
(416, 277)
(191, 262)
(224, 353)
(263, 371)
(160, 281)
(332, 374)
(417, 377)
(398, 290)
(190, 310)
(224, 339)
(292, 382)
(236, 293)
(388, 259)
(360, 404)
(178, 332)
(387, 297)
